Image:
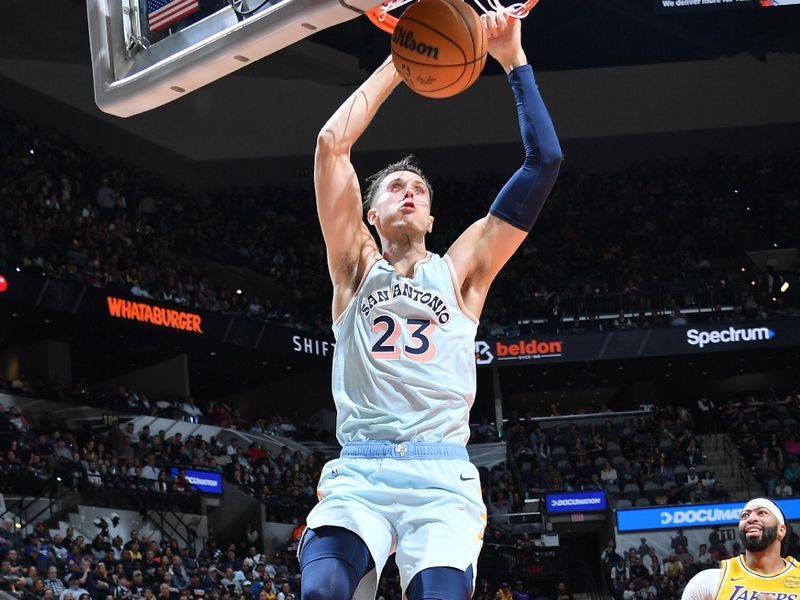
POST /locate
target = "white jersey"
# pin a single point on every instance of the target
(404, 362)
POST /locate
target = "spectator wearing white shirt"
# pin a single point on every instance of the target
(149, 469)
(704, 557)
(73, 589)
(783, 489)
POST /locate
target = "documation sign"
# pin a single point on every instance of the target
(730, 335)
(699, 515)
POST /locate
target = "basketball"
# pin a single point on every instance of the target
(439, 47)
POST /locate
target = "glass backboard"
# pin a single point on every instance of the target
(146, 53)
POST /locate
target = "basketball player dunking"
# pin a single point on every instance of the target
(404, 365)
(761, 573)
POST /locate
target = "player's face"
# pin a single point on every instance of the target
(759, 529)
(403, 202)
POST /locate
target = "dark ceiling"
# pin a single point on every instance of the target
(576, 34)
(560, 34)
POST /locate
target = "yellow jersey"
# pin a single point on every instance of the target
(734, 580)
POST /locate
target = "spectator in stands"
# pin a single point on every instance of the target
(73, 588)
(792, 473)
(672, 566)
(637, 570)
(630, 592)
(652, 563)
(783, 489)
(608, 474)
(562, 593)
(704, 559)
(285, 592)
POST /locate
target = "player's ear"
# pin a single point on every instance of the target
(372, 216)
(430, 224)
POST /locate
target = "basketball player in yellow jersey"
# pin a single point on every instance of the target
(761, 573)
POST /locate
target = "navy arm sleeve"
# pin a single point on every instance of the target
(521, 199)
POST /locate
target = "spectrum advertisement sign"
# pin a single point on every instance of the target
(575, 502)
(636, 343)
(692, 515)
(208, 482)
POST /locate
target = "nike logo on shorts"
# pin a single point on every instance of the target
(466, 478)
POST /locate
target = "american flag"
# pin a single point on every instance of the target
(161, 13)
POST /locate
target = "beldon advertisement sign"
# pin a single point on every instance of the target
(517, 349)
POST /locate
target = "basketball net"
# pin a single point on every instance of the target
(380, 17)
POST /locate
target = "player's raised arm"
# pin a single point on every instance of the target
(336, 184)
(482, 250)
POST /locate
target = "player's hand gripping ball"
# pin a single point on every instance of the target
(439, 47)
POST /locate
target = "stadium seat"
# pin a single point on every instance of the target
(613, 450)
(631, 490)
(650, 488)
(641, 502)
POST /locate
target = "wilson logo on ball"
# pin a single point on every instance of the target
(405, 39)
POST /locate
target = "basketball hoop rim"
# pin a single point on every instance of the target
(380, 16)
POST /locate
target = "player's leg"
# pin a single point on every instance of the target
(441, 583)
(440, 532)
(332, 561)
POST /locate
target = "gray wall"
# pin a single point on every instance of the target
(241, 121)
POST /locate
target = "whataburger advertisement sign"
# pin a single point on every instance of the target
(633, 343)
(143, 312)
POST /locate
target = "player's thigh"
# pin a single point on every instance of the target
(349, 499)
(338, 543)
(441, 526)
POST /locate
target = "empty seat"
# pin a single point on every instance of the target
(642, 502)
(623, 503)
(631, 490)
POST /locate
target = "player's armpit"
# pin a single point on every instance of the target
(479, 254)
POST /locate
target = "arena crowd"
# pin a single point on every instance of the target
(651, 240)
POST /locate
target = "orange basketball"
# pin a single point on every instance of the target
(439, 47)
